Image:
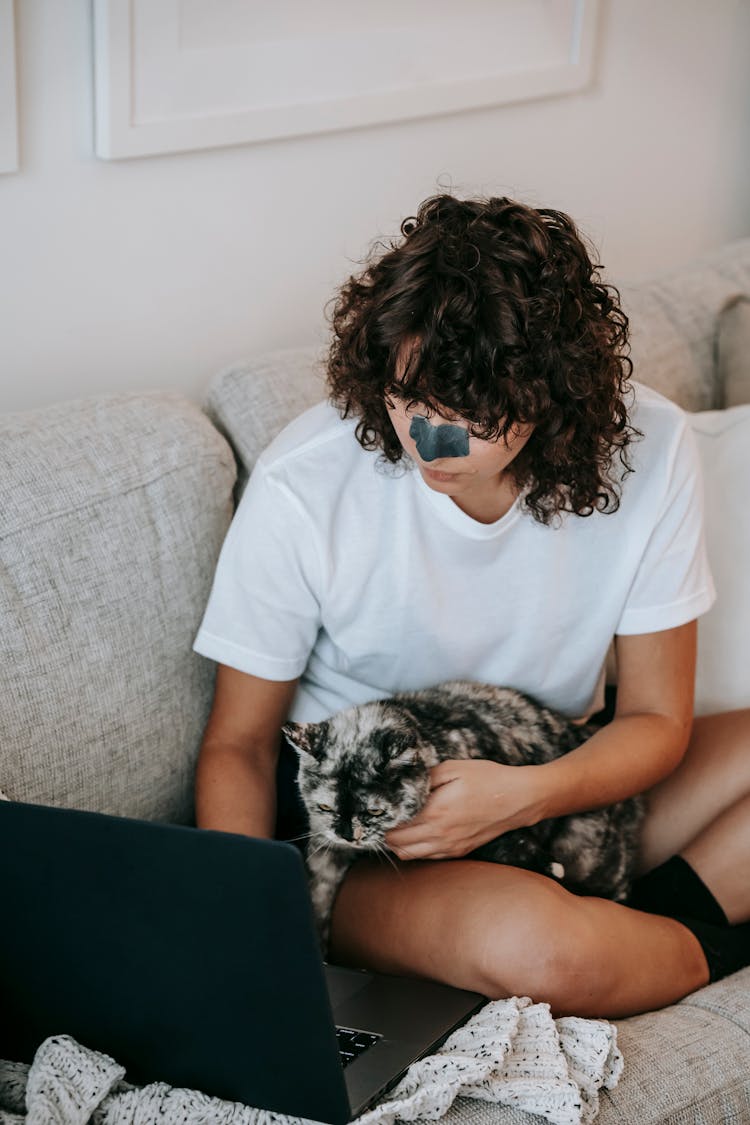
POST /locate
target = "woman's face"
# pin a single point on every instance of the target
(474, 473)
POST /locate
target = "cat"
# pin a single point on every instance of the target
(365, 770)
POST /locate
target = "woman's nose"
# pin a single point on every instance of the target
(444, 440)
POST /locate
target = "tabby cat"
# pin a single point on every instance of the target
(365, 770)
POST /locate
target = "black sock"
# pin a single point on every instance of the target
(674, 888)
(726, 948)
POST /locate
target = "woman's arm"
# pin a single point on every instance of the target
(648, 735)
(235, 784)
(473, 801)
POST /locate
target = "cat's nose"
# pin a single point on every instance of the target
(357, 833)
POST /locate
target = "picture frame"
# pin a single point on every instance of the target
(180, 75)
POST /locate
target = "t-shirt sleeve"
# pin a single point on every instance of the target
(673, 583)
(263, 612)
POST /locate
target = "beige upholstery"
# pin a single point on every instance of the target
(733, 352)
(114, 510)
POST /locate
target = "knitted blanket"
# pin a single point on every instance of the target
(512, 1052)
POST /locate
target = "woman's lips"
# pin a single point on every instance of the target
(433, 474)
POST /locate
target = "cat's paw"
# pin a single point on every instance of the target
(557, 871)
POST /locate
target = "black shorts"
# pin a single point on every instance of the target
(607, 713)
(291, 816)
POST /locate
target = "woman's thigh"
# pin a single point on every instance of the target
(454, 921)
(713, 775)
(502, 931)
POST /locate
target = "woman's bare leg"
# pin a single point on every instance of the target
(702, 811)
(501, 931)
(721, 856)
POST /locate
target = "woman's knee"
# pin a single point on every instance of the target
(494, 930)
(551, 952)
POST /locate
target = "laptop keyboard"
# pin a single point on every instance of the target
(353, 1043)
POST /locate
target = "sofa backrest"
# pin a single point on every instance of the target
(114, 510)
(251, 402)
(677, 328)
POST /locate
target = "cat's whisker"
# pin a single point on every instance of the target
(325, 844)
(320, 846)
(302, 836)
(381, 849)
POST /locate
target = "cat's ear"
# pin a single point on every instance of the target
(303, 737)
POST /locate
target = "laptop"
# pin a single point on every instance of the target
(192, 957)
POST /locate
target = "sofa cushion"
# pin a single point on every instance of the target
(251, 402)
(722, 680)
(686, 1063)
(662, 357)
(733, 352)
(114, 510)
(673, 321)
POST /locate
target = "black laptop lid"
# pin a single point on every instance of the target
(189, 956)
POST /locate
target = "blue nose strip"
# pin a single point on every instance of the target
(438, 441)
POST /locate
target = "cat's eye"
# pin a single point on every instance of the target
(376, 812)
(325, 808)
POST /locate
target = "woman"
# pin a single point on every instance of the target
(487, 497)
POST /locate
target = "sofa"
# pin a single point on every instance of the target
(114, 510)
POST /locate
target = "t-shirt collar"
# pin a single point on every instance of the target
(458, 520)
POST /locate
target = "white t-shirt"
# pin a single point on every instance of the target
(363, 581)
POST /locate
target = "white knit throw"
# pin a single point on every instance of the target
(511, 1052)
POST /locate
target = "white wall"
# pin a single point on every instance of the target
(159, 271)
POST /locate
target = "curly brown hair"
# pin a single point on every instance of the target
(494, 311)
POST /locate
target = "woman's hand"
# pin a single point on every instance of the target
(471, 801)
